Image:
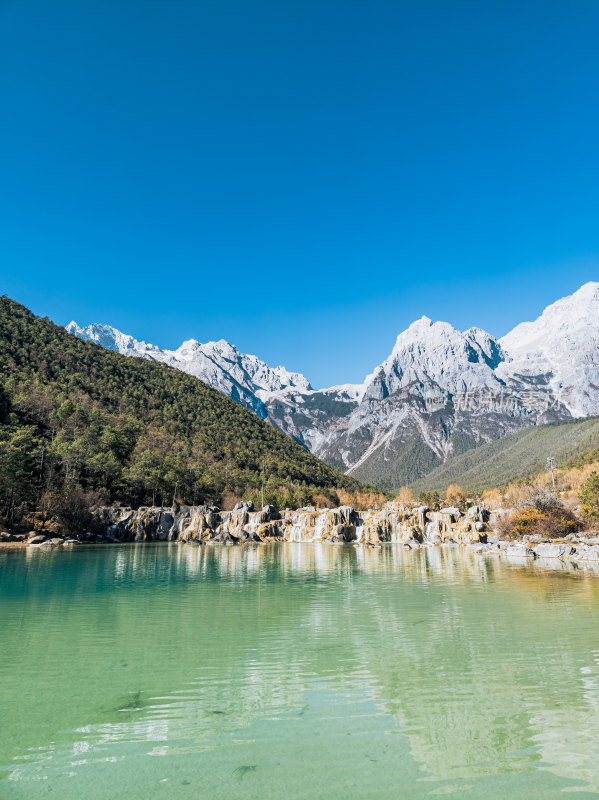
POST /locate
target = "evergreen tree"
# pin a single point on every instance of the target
(588, 495)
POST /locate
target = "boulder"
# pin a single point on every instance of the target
(36, 538)
(212, 519)
(224, 537)
(519, 550)
(553, 550)
(342, 533)
(585, 553)
(165, 524)
(249, 536)
(244, 505)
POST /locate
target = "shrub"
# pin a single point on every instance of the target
(405, 496)
(551, 522)
(70, 508)
(492, 499)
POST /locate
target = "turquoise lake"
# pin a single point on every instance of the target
(295, 671)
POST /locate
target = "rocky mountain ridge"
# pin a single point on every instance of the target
(440, 392)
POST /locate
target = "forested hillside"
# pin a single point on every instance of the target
(521, 455)
(81, 423)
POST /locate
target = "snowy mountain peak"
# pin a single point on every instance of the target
(435, 353)
(110, 338)
(189, 344)
(563, 344)
(587, 290)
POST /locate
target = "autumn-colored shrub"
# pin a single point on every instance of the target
(492, 499)
(553, 522)
(405, 497)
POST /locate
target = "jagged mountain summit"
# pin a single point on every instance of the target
(562, 343)
(440, 392)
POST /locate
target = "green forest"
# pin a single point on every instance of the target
(81, 425)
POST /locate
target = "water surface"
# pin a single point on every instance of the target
(295, 670)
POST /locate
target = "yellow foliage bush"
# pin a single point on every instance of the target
(551, 524)
(405, 496)
(492, 499)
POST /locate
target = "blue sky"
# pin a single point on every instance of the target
(303, 178)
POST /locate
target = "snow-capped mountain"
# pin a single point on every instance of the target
(563, 343)
(436, 353)
(440, 391)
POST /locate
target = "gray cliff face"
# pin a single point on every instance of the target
(440, 392)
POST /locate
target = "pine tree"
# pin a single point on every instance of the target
(588, 495)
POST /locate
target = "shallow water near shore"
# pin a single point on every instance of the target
(295, 670)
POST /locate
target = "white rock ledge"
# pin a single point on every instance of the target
(410, 527)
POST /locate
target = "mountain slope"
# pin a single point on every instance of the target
(135, 429)
(520, 455)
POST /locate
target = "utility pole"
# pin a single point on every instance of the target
(552, 466)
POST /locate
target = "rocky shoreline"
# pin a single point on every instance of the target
(409, 527)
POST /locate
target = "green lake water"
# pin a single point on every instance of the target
(295, 671)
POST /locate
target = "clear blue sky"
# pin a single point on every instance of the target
(301, 177)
